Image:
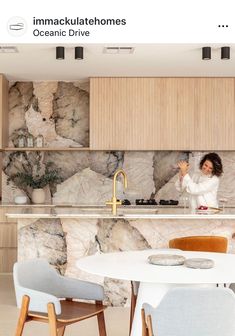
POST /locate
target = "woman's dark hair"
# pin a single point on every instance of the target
(216, 163)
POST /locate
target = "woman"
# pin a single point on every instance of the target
(202, 187)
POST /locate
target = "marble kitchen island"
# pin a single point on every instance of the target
(63, 234)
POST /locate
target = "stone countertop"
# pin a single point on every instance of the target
(125, 212)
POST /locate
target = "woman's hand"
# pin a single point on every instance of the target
(184, 167)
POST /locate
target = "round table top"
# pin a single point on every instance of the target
(133, 265)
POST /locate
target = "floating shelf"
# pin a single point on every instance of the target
(48, 149)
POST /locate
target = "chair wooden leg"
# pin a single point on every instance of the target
(144, 325)
(23, 315)
(101, 324)
(60, 331)
(101, 321)
(132, 308)
(149, 326)
(52, 319)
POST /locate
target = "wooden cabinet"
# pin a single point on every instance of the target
(162, 114)
(8, 231)
(176, 114)
(124, 113)
(214, 117)
(8, 246)
(4, 111)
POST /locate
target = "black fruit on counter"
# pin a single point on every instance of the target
(168, 202)
(126, 202)
(145, 202)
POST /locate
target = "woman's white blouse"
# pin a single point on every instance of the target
(202, 189)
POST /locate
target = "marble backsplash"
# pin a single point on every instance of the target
(87, 176)
(57, 110)
(60, 112)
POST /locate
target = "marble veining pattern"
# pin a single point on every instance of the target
(85, 187)
(60, 111)
(43, 239)
(64, 241)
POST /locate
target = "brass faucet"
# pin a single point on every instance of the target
(114, 202)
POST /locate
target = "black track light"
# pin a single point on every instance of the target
(78, 53)
(59, 53)
(206, 53)
(225, 53)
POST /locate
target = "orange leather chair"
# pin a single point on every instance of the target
(200, 243)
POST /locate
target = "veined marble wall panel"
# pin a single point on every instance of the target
(57, 110)
(70, 112)
(64, 241)
(60, 111)
(80, 243)
(106, 163)
(118, 235)
(86, 187)
(227, 183)
(89, 174)
(43, 238)
(158, 236)
(165, 166)
(139, 169)
(20, 99)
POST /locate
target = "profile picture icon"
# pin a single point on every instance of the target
(16, 26)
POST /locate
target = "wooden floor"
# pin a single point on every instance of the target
(117, 319)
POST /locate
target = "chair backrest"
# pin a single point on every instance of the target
(37, 279)
(200, 243)
(36, 274)
(194, 312)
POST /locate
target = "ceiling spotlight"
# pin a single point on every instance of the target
(225, 53)
(206, 53)
(59, 53)
(78, 53)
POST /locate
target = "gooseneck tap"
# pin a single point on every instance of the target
(114, 202)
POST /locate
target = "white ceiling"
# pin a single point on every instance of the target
(38, 62)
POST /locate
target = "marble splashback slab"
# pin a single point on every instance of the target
(60, 112)
(56, 110)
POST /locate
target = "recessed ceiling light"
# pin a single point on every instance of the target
(118, 50)
(126, 50)
(110, 50)
(8, 49)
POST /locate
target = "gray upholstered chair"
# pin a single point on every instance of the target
(186, 311)
(45, 296)
(135, 288)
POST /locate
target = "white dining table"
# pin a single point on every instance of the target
(156, 280)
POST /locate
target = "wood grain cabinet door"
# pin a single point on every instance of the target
(124, 113)
(214, 114)
(4, 112)
(141, 113)
(162, 114)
